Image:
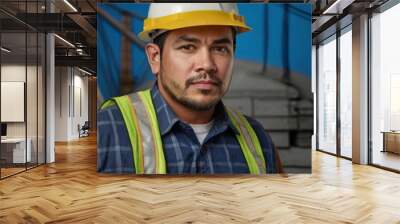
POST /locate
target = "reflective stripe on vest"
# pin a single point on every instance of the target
(249, 143)
(141, 122)
(140, 119)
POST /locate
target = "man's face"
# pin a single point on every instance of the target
(196, 65)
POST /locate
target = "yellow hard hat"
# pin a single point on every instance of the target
(170, 16)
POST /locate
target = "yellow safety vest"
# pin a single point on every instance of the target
(140, 119)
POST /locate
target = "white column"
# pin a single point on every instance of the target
(50, 93)
(360, 90)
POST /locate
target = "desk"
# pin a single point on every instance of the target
(16, 147)
(391, 141)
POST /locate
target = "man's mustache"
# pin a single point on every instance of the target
(203, 77)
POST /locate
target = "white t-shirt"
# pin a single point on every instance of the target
(201, 130)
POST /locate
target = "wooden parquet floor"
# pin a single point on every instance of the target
(70, 191)
(10, 171)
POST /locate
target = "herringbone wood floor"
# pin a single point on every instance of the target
(70, 191)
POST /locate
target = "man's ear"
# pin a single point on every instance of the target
(153, 57)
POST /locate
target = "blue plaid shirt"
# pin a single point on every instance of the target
(219, 153)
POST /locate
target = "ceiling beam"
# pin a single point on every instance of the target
(81, 61)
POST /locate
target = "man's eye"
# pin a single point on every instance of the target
(221, 49)
(188, 47)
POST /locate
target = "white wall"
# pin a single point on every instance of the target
(12, 101)
(71, 93)
(33, 126)
(80, 97)
(17, 73)
(13, 73)
(61, 103)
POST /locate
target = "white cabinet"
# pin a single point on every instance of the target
(18, 149)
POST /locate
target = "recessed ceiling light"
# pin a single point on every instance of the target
(64, 40)
(84, 71)
(70, 5)
(337, 7)
(5, 50)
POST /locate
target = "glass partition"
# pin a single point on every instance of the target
(41, 91)
(22, 102)
(13, 103)
(31, 98)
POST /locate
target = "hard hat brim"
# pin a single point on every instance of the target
(192, 19)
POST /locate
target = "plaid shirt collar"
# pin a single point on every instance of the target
(167, 118)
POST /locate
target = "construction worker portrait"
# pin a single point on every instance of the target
(180, 125)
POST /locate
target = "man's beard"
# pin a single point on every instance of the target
(180, 94)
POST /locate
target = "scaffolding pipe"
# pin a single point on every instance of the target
(120, 27)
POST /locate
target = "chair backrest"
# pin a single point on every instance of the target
(86, 125)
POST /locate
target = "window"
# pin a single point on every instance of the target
(346, 92)
(385, 88)
(327, 95)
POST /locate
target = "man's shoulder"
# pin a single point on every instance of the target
(110, 121)
(254, 123)
(110, 113)
(270, 154)
(261, 133)
(114, 152)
